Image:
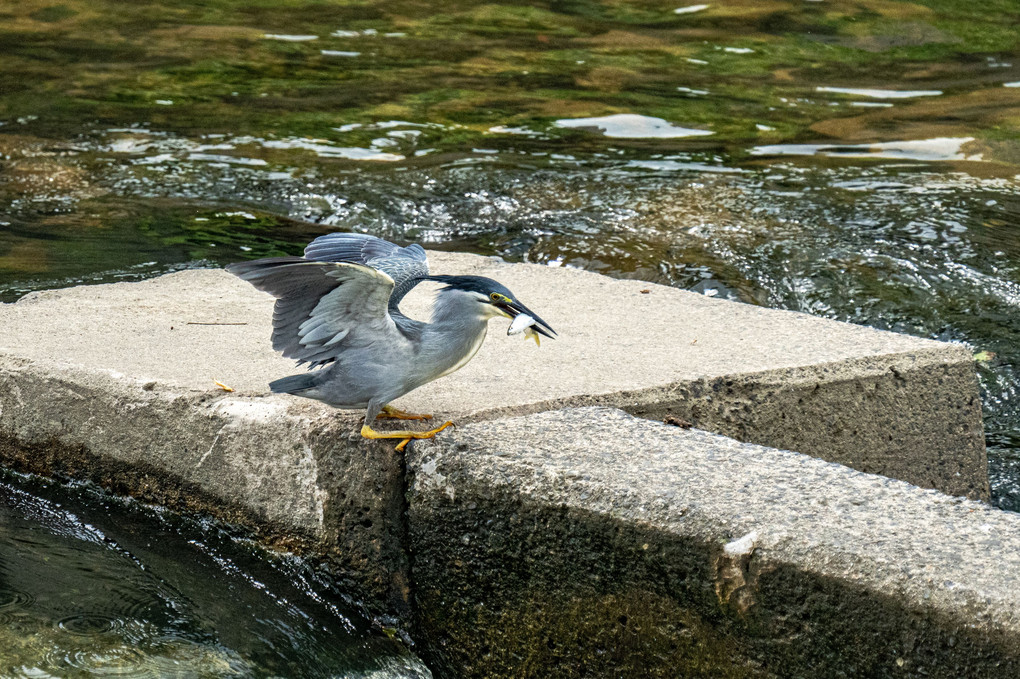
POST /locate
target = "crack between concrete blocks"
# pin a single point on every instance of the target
(405, 536)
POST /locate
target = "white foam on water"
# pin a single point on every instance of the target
(940, 148)
(632, 126)
(879, 94)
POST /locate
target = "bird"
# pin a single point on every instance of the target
(337, 309)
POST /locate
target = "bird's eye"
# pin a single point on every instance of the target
(498, 298)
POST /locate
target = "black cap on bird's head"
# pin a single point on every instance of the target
(496, 294)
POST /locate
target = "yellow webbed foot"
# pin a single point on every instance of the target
(391, 413)
(407, 436)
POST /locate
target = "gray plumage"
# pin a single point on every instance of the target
(322, 308)
(338, 306)
(406, 266)
(293, 384)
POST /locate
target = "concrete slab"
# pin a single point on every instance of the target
(878, 401)
(115, 384)
(297, 477)
(586, 542)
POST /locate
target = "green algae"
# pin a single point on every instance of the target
(210, 67)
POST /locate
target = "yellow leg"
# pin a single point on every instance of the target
(391, 413)
(370, 433)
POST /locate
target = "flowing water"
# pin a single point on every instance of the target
(91, 585)
(858, 161)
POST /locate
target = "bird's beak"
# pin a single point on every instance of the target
(513, 309)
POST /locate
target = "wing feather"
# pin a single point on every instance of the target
(406, 266)
(323, 308)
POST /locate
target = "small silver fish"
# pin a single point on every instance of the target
(523, 323)
(520, 322)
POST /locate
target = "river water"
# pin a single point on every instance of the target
(853, 161)
(92, 585)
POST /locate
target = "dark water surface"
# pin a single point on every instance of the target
(858, 161)
(95, 586)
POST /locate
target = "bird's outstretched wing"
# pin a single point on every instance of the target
(322, 308)
(406, 266)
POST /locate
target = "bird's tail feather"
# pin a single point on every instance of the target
(293, 384)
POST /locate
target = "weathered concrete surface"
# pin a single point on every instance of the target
(290, 471)
(115, 383)
(877, 401)
(585, 542)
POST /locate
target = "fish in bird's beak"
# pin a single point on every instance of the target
(525, 320)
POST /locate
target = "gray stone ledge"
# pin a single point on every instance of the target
(292, 471)
(115, 383)
(586, 542)
(878, 401)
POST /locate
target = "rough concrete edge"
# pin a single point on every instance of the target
(352, 510)
(879, 365)
(46, 451)
(505, 498)
(823, 386)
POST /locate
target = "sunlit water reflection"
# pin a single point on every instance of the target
(94, 586)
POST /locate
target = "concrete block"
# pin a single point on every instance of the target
(292, 472)
(586, 542)
(115, 383)
(878, 401)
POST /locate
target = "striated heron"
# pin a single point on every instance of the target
(338, 306)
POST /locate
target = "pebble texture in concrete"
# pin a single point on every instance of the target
(586, 542)
(878, 401)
